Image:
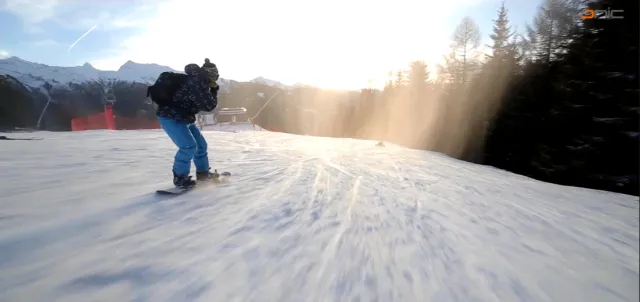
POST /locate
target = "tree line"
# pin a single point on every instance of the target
(557, 102)
(22, 107)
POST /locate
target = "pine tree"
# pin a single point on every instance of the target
(450, 72)
(418, 75)
(506, 48)
(401, 79)
(502, 46)
(486, 91)
(464, 56)
(552, 30)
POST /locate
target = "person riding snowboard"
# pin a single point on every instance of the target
(198, 93)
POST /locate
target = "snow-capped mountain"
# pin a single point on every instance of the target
(35, 75)
(268, 82)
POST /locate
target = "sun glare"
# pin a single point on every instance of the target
(329, 44)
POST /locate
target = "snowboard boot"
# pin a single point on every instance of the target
(206, 175)
(183, 181)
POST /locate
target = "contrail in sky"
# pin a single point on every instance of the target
(81, 37)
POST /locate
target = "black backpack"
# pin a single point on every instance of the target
(162, 91)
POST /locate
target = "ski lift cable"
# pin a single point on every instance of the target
(264, 106)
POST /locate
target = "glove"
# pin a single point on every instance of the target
(215, 75)
(214, 86)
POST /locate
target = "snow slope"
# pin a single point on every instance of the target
(233, 127)
(303, 219)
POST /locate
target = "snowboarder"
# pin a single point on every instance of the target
(198, 93)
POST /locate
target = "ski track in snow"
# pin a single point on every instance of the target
(302, 219)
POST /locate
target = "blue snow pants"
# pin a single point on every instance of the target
(191, 145)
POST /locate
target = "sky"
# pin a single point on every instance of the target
(340, 44)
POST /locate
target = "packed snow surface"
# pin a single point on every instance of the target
(302, 219)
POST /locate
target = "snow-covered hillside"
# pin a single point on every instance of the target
(36, 74)
(268, 82)
(302, 219)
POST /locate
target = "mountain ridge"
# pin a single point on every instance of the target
(36, 75)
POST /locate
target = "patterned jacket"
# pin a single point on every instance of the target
(194, 96)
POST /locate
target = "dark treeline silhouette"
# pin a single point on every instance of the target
(21, 107)
(558, 102)
(571, 116)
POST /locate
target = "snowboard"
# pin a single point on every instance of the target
(177, 191)
(2, 137)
